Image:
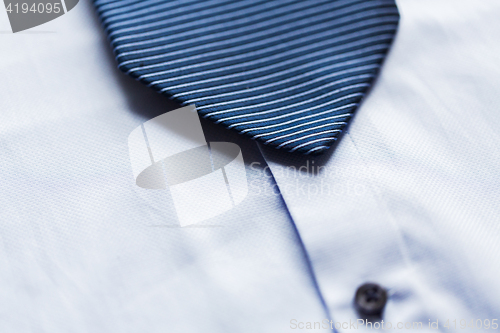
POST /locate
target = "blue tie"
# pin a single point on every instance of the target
(288, 73)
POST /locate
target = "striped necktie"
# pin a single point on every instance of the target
(288, 73)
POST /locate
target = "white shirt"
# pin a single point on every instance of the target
(409, 198)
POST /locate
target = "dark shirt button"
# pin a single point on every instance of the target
(370, 299)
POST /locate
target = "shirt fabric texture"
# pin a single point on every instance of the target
(408, 198)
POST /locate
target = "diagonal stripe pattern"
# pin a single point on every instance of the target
(289, 73)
